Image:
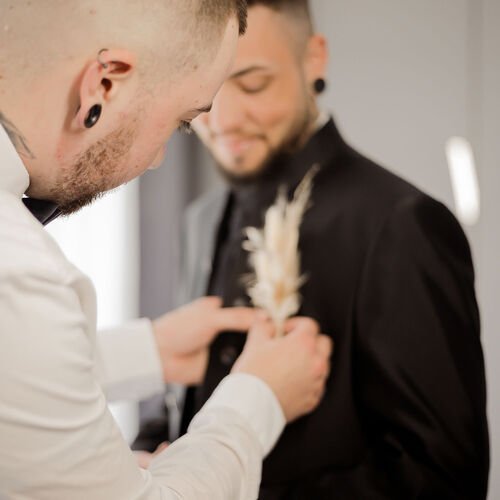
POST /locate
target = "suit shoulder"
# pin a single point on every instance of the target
(422, 214)
(367, 195)
(370, 181)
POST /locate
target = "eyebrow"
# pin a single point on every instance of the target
(245, 71)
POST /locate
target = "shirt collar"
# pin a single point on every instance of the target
(321, 121)
(14, 177)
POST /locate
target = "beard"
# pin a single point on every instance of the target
(293, 141)
(95, 171)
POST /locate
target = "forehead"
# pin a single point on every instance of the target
(199, 86)
(268, 38)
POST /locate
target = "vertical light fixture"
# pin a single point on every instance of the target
(464, 181)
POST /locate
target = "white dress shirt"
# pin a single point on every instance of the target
(58, 441)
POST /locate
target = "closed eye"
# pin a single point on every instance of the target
(254, 90)
(253, 83)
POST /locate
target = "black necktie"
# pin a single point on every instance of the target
(44, 211)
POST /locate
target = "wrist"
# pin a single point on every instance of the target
(159, 334)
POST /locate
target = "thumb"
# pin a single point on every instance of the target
(161, 447)
(262, 331)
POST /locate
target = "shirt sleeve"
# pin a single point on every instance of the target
(129, 366)
(233, 418)
(59, 440)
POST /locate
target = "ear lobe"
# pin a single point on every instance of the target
(316, 58)
(102, 79)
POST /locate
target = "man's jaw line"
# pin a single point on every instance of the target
(239, 174)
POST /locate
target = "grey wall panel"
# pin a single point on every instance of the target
(163, 193)
(489, 255)
(397, 81)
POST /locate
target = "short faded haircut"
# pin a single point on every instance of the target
(298, 10)
(202, 23)
(220, 11)
(169, 36)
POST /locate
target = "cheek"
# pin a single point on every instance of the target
(157, 121)
(144, 154)
(276, 107)
(159, 130)
(153, 136)
(272, 113)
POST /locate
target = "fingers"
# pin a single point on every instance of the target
(160, 448)
(143, 458)
(318, 396)
(323, 353)
(261, 331)
(324, 345)
(239, 319)
(308, 326)
(315, 396)
(302, 325)
(209, 303)
(210, 300)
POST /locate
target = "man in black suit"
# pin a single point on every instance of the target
(390, 279)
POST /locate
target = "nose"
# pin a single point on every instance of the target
(227, 111)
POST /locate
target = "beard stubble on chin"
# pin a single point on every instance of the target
(295, 138)
(95, 171)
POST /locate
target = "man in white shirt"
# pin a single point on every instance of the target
(89, 93)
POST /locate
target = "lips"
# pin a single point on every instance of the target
(236, 145)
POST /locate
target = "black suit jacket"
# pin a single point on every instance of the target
(391, 281)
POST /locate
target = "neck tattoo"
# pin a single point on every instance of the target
(16, 137)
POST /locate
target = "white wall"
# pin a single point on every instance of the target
(405, 76)
(102, 240)
(397, 81)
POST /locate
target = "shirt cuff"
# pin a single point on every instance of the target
(254, 400)
(130, 366)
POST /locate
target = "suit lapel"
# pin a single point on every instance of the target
(202, 238)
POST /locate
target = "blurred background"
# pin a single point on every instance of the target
(405, 77)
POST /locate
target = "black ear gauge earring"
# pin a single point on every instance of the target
(93, 115)
(319, 85)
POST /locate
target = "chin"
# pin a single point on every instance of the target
(242, 166)
(239, 175)
(238, 169)
(242, 171)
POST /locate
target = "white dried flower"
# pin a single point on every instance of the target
(274, 255)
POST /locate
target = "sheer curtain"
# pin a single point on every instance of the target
(103, 241)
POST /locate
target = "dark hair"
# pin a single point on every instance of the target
(300, 9)
(298, 5)
(241, 12)
(220, 10)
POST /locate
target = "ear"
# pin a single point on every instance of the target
(102, 79)
(315, 59)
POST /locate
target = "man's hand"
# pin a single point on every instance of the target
(144, 458)
(295, 366)
(183, 336)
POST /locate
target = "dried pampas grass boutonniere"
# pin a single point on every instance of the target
(274, 255)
